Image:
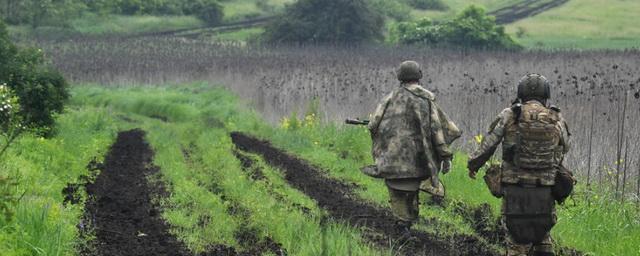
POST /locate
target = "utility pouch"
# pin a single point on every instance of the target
(493, 180)
(371, 170)
(564, 184)
(528, 212)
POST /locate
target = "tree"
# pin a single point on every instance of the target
(209, 11)
(40, 91)
(326, 21)
(41, 12)
(471, 28)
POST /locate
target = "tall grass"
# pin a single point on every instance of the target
(206, 181)
(42, 224)
(472, 86)
(589, 221)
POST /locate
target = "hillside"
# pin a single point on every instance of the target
(583, 24)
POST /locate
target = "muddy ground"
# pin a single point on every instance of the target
(342, 204)
(120, 211)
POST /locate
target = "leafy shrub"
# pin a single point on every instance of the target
(209, 11)
(41, 92)
(471, 28)
(393, 9)
(326, 21)
(427, 4)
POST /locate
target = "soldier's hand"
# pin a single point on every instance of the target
(446, 166)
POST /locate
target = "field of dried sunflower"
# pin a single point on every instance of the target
(598, 91)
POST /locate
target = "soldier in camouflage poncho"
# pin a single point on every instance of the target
(534, 140)
(411, 137)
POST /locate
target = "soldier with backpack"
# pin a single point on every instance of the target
(535, 139)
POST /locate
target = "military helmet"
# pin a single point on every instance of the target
(534, 86)
(409, 71)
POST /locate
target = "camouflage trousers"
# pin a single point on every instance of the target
(543, 248)
(514, 249)
(403, 198)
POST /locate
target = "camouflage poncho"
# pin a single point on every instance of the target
(411, 134)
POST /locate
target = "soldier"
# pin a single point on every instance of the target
(534, 140)
(411, 138)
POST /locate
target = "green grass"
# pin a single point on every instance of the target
(583, 24)
(199, 119)
(239, 35)
(96, 25)
(235, 10)
(42, 225)
(195, 154)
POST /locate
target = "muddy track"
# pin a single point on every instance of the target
(342, 204)
(524, 9)
(121, 211)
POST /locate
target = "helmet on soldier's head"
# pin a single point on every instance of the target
(409, 71)
(534, 87)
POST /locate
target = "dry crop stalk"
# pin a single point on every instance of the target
(593, 113)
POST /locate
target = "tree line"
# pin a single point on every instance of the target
(59, 12)
(362, 21)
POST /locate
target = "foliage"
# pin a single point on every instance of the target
(41, 12)
(209, 11)
(427, 4)
(471, 28)
(326, 21)
(60, 12)
(10, 120)
(393, 9)
(41, 92)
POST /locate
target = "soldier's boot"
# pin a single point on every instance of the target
(403, 227)
(517, 250)
(545, 248)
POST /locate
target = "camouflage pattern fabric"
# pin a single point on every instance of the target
(404, 204)
(411, 134)
(504, 130)
(515, 249)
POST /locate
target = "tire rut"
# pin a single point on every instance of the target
(524, 9)
(342, 204)
(120, 210)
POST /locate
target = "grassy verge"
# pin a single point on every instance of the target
(584, 24)
(97, 25)
(601, 227)
(188, 128)
(207, 182)
(42, 225)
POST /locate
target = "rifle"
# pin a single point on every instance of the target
(357, 122)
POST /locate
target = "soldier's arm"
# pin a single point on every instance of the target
(566, 136)
(489, 142)
(377, 116)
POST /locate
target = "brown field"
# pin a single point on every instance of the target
(598, 91)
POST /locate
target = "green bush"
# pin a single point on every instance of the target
(209, 11)
(427, 4)
(41, 92)
(393, 9)
(472, 28)
(326, 21)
